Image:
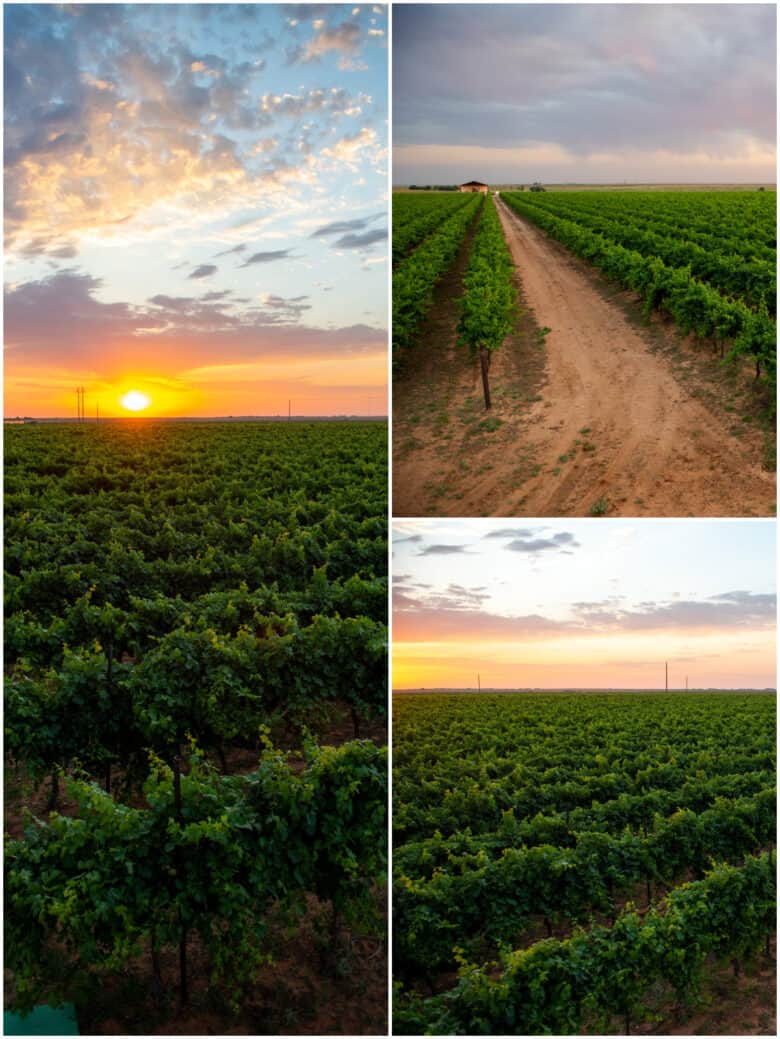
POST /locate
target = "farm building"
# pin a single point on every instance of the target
(474, 185)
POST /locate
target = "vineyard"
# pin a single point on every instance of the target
(196, 651)
(434, 228)
(638, 382)
(579, 859)
(709, 259)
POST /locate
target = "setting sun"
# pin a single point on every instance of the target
(134, 400)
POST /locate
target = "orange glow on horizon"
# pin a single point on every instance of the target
(628, 660)
(49, 393)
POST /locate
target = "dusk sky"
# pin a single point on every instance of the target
(598, 93)
(586, 604)
(195, 208)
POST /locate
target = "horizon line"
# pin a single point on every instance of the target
(92, 421)
(627, 183)
(584, 689)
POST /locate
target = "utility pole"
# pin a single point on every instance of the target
(666, 665)
(289, 411)
(479, 685)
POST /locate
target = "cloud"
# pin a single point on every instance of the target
(451, 615)
(333, 102)
(730, 610)
(508, 87)
(511, 532)
(344, 226)
(205, 270)
(291, 305)
(63, 316)
(348, 148)
(361, 241)
(155, 126)
(353, 234)
(343, 38)
(442, 550)
(270, 256)
(532, 545)
(228, 252)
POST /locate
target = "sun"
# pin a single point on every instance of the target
(134, 400)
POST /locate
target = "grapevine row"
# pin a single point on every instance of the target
(206, 855)
(415, 277)
(498, 898)
(489, 302)
(754, 281)
(420, 858)
(694, 305)
(559, 987)
(415, 217)
(727, 222)
(103, 712)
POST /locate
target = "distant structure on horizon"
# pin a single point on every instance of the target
(474, 185)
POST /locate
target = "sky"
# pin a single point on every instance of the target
(583, 604)
(584, 93)
(195, 208)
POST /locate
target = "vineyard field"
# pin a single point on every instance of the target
(556, 851)
(446, 220)
(637, 364)
(196, 670)
(708, 258)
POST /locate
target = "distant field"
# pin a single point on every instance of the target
(580, 852)
(623, 187)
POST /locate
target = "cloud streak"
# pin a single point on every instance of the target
(451, 615)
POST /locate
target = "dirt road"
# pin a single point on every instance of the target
(625, 419)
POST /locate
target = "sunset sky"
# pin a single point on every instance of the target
(570, 604)
(589, 93)
(195, 208)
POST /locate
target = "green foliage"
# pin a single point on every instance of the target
(172, 580)
(555, 987)
(114, 879)
(515, 811)
(173, 586)
(417, 216)
(707, 259)
(488, 306)
(415, 277)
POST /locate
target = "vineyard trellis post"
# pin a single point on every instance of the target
(484, 359)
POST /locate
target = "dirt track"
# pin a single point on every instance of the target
(617, 427)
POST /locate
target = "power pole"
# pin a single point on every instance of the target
(289, 411)
(479, 685)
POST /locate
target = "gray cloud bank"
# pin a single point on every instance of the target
(62, 316)
(567, 91)
(420, 614)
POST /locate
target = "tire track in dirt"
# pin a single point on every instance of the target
(650, 448)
